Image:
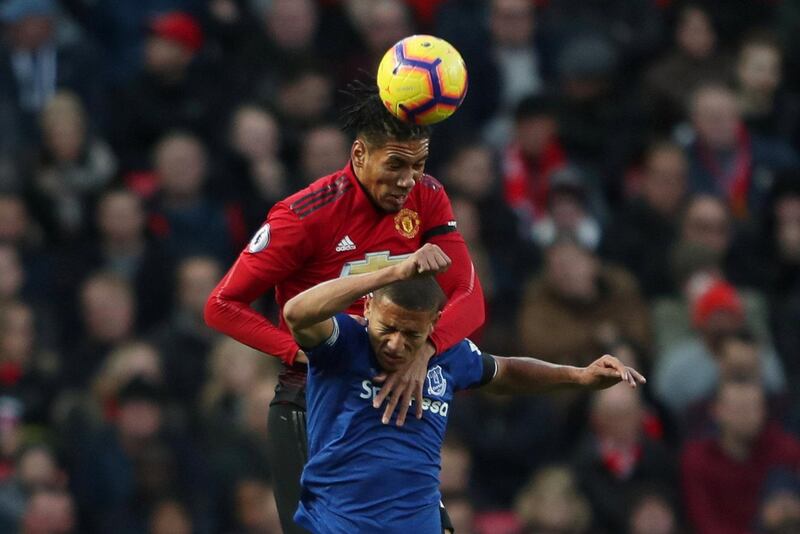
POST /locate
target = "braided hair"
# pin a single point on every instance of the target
(366, 117)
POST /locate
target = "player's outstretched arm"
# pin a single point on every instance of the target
(529, 375)
(308, 315)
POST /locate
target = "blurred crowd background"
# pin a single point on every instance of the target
(625, 172)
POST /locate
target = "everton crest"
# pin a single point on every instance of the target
(437, 383)
(407, 222)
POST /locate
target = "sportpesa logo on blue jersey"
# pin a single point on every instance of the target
(369, 391)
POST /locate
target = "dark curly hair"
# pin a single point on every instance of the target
(366, 117)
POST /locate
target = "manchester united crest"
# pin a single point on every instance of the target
(407, 222)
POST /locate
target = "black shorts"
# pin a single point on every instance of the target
(287, 448)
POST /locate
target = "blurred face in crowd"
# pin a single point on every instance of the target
(780, 512)
(255, 133)
(134, 360)
(49, 512)
(31, 32)
(292, 24)
(759, 69)
(787, 228)
(18, 333)
(572, 271)
(197, 277)
(139, 420)
(166, 58)
(389, 172)
(472, 172)
(739, 360)
(63, 127)
(552, 503)
(170, 517)
(617, 416)
(12, 276)
(257, 403)
(706, 222)
(120, 218)
(716, 117)
(13, 219)
(719, 325)
(695, 34)
(37, 468)
(740, 411)
(534, 134)
(567, 210)
(456, 466)
(255, 507)
(469, 219)
(108, 309)
(325, 149)
(653, 515)
(306, 98)
(235, 366)
(512, 23)
(462, 514)
(386, 22)
(664, 185)
(181, 167)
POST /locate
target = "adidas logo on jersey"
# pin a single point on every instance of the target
(345, 244)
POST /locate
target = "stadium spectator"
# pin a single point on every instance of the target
(49, 511)
(71, 170)
(107, 306)
(184, 338)
(504, 450)
(694, 268)
(171, 92)
(36, 468)
(252, 163)
(641, 234)
(35, 63)
(722, 475)
(553, 502)
(779, 508)
(693, 59)
(532, 155)
(689, 370)
(145, 460)
(571, 209)
(304, 99)
(725, 158)
(170, 517)
(783, 236)
(461, 511)
(653, 511)
(28, 371)
(767, 108)
(182, 217)
(12, 274)
(616, 457)
(578, 304)
(323, 149)
(255, 509)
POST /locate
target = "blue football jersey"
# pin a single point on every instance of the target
(362, 475)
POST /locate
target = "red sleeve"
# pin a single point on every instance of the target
(277, 250)
(464, 312)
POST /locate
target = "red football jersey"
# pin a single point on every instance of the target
(332, 229)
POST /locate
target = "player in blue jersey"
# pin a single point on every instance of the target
(365, 476)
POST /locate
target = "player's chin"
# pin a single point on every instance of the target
(393, 203)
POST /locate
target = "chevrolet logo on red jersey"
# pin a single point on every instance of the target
(371, 262)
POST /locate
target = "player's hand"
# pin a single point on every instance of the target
(405, 384)
(607, 371)
(427, 260)
(301, 357)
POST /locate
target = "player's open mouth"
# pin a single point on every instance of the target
(398, 200)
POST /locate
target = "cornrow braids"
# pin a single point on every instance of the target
(367, 117)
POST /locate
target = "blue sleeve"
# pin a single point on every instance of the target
(343, 339)
(471, 368)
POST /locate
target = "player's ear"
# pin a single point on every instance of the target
(367, 305)
(358, 153)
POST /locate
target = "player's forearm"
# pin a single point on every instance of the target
(529, 375)
(325, 300)
(464, 312)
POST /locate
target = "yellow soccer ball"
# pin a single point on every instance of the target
(422, 79)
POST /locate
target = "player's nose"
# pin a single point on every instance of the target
(395, 342)
(406, 181)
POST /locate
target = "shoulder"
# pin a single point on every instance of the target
(319, 198)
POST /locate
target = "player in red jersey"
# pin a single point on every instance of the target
(377, 210)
